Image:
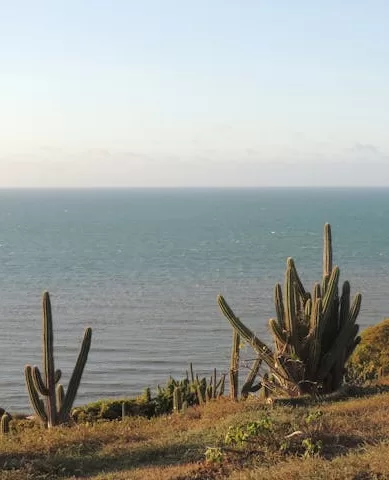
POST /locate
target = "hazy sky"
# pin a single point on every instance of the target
(194, 92)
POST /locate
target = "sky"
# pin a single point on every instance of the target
(162, 93)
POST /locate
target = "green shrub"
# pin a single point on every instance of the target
(371, 356)
(112, 409)
(249, 432)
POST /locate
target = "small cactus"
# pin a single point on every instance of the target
(177, 400)
(4, 423)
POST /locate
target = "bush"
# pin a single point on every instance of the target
(112, 409)
(371, 356)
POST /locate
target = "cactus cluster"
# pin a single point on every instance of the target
(177, 395)
(207, 390)
(314, 333)
(57, 406)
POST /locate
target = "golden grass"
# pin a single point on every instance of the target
(354, 434)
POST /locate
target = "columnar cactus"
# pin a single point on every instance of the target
(234, 365)
(4, 423)
(177, 400)
(56, 409)
(314, 334)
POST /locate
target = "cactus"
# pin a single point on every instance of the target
(314, 335)
(192, 390)
(249, 386)
(57, 406)
(177, 400)
(4, 424)
(234, 365)
(264, 391)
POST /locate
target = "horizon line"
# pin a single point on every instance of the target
(199, 187)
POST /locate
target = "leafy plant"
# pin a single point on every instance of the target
(249, 432)
(312, 448)
(314, 421)
(214, 455)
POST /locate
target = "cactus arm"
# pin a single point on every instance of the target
(57, 376)
(38, 381)
(345, 336)
(327, 250)
(248, 384)
(234, 365)
(35, 401)
(280, 335)
(308, 309)
(222, 384)
(219, 383)
(60, 394)
(355, 308)
(315, 343)
(316, 292)
(331, 290)
(262, 349)
(344, 304)
(296, 279)
(329, 298)
(290, 310)
(75, 379)
(279, 303)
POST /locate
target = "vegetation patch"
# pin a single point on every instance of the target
(370, 359)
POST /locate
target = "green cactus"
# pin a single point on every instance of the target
(4, 423)
(234, 365)
(264, 391)
(58, 403)
(248, 386)
(314, 335)
(264, 353)
(177, 400)
(192, 390)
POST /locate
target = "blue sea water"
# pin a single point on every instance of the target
(143, 267)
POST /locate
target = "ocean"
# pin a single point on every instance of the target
(143, 268)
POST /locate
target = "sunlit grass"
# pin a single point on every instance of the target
(345, 439)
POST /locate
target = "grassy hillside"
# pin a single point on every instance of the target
(347, 439)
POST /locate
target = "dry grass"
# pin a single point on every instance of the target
(353, 435)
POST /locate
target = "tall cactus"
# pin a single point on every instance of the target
(56, 408)
(314, 334)
(234, 365)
